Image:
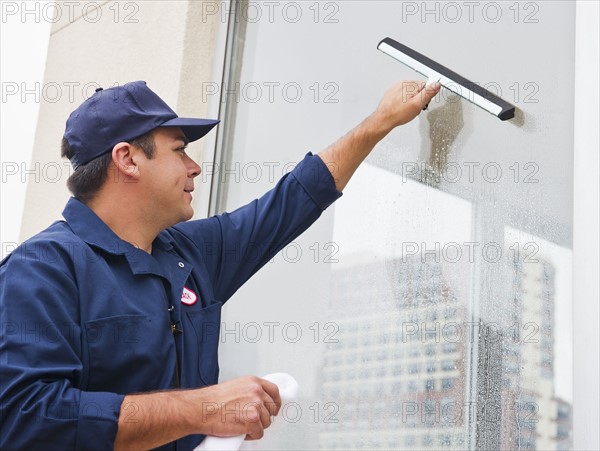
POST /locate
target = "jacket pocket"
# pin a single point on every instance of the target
(206, 323)
(128, 353)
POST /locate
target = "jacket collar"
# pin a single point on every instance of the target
(90, 228)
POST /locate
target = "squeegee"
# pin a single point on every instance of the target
(448, 79)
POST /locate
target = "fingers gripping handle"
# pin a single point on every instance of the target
(288, 390)
(432, 79)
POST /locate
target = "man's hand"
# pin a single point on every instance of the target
(240, 406)
(403, 102)
(400, 104)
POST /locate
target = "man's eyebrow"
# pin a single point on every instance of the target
(182, 138)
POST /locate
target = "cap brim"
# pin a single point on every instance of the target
(194, 129)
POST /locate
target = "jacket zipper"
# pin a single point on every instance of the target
(176, 331)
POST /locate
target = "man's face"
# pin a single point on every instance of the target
(168, 178)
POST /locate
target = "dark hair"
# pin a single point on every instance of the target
(87, 179)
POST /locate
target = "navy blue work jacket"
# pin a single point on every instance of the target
(87, 318)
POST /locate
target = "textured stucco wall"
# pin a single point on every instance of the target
(169, 44)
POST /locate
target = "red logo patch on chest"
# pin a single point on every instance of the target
(188, 297)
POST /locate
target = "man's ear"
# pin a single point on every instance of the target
(124, 157)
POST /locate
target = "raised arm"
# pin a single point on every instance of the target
(400, 104)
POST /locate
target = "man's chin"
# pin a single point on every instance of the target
(189, 214)
(186, 216)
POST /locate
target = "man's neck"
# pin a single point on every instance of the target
(127, 223)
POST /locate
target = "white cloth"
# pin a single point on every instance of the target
(288, 390)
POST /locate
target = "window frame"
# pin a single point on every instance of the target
(585, 230)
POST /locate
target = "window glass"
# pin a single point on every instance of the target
(429, 308)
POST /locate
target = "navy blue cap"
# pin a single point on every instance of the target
(121, 114)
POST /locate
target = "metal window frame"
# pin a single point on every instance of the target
(234, 36)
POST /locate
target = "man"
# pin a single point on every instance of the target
(111, 317)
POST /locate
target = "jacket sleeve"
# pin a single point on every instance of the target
(40, 358)
(235, 245)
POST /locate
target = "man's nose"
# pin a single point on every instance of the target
(193, 168)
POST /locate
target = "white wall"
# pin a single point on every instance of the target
(170, 45)
(22, 80)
